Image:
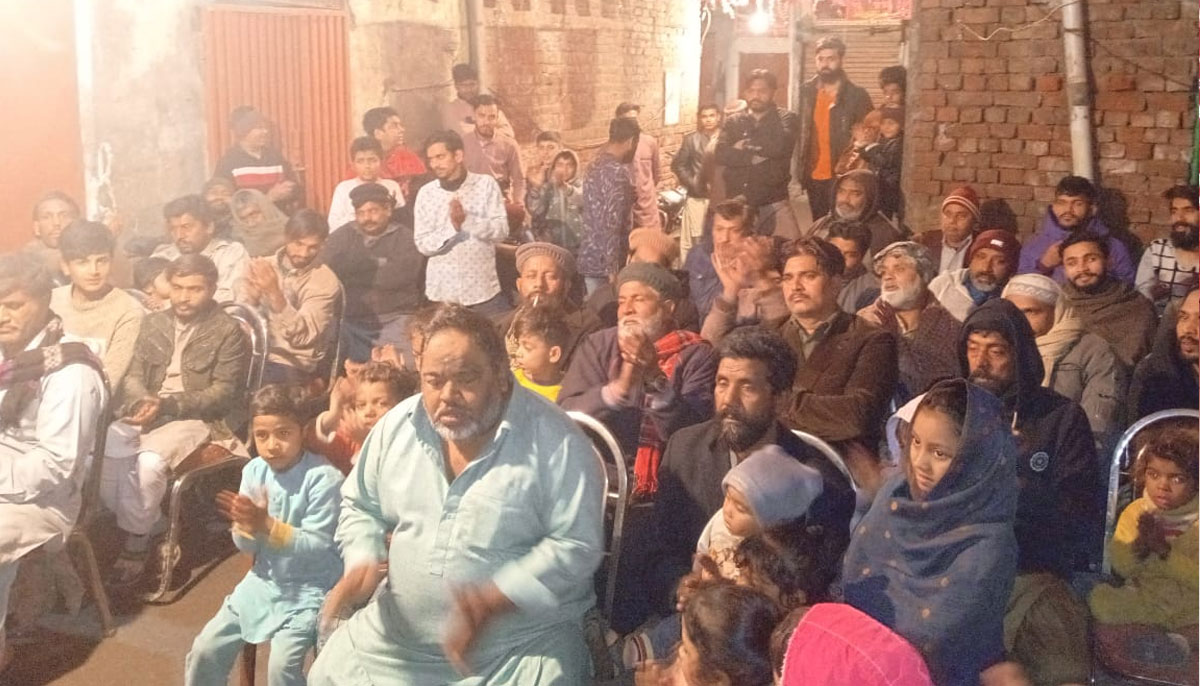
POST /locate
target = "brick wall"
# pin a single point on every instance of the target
(993, 113)
(565, 66)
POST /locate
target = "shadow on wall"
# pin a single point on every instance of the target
(1112, 207)
(996, 213)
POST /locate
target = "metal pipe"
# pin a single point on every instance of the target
(476, 56)
(1079, 94)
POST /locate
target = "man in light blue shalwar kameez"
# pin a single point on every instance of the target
(494, 501)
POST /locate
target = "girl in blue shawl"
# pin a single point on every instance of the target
(935, 557)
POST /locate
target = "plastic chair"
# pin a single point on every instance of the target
(90, 504)
(207, 462)
(1120, 494)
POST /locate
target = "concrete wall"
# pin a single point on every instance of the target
(993, 113)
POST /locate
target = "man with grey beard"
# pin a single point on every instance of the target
(991, 261)
(644, 378)
(925, 331)
(493, 500)
(855, 198)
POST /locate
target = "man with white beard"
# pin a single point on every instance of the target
(493, 500)
(925, 330)
(644, 378)
(991, 261)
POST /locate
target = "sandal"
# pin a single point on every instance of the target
(128, 568)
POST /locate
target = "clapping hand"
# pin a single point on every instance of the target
(1151, 538)
(474, 608)
(458, 215)
(143, 412)
(247, 515)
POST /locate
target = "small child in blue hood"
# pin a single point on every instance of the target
(768, 490)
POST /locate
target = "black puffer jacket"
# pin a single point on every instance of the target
(852, 104)
(1060, 515)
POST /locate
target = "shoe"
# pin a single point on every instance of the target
(129, 568)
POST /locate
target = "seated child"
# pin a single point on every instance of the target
(284, 514)
(542, 336)
(1154, 548)
(885, 158)
(150, 280)
(837, 645)
(760, 532)
(726, 639)
(356, 404)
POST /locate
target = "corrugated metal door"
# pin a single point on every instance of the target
(291, 64)
(868, 50)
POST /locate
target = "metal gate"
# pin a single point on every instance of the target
(291, 64)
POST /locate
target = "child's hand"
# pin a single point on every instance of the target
(1152, 538)
(249, 516)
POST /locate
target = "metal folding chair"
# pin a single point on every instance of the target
(1120, 494)
(830, 454)
(205, 464)
(90, 504)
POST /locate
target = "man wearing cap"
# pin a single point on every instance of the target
(644, 378)
(653, 247)
(253, 163)
(830, 106)
(545, 272)
(457, 222)
(1073, 211)
(925, 331)
(459, 114)
(959, 220)
(381, 274)
(991, 261)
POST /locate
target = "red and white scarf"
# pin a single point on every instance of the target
(650, 442)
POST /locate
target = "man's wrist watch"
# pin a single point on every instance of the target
(656, 383)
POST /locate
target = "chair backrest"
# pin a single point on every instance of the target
(256, 329)
(830, 454)
(90, 498)
(1120, 470)
(616, 500)
(335, 354)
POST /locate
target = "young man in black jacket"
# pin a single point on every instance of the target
(692, 166)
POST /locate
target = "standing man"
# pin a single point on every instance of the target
(607, 203)
(831, 105)
(300, 296)
(643, 169)
(755, 148)
(489, 152)
(192, 231)
(689, 169)
(399, 163)
(1073, 212)
(457, 223)
(458, 115)
(493, 502)
(381, 273)
(1170, 264)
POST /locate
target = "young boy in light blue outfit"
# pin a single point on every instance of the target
(284, 514)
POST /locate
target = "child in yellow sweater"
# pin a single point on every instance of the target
(1155, 547)
(540, 358)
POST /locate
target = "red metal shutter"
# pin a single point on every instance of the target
(291, 64)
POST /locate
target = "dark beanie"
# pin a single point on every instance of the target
(371, 192)
(654, 276)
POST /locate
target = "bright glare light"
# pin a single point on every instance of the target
(760, 21)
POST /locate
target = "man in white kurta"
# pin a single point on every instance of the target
(494, 501)
(45, 440)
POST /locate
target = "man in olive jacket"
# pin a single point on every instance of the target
(187, 378)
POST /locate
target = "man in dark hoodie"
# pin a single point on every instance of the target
(1167, 378)
(855, 198)
(1060, 510)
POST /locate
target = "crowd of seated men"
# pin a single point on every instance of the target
(425, 337)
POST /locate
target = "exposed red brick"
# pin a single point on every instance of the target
(1118, 82)
(945, 114)
(1169, 102)
(1049, 82)
(1122, 102)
